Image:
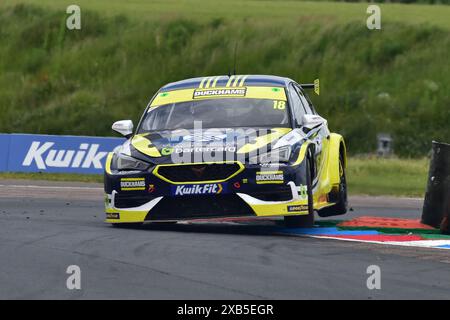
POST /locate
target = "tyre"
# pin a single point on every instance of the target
(340, 207)
(304, 221)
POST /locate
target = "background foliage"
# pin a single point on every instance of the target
(58, 81)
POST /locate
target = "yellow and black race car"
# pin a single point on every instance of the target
(227, 146)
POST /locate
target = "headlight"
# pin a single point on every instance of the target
(123, 162)
(282, 154)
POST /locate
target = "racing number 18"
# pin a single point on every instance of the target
(279, 105)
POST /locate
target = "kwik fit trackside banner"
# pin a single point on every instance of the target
(46, 153)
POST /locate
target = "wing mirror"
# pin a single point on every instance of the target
(311, 121)
(124, 127)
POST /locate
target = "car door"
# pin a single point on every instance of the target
(316, 132)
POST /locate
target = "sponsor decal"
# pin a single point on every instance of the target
(204, 149)
(302, 192)
(132, 184)
(43, 155)
(219, 92)
(297, 208)
(151, 188)
(166, 151)
(112, 215)
(195, 189)
(269, 177)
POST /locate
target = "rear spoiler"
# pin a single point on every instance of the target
(315, 86)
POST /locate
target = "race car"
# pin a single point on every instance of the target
(231, 146)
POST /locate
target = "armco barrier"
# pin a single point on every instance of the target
(48, 153)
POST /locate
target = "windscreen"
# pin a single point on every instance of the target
(217, 113)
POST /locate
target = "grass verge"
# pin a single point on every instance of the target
(395, 177)
(256, 11)
(52, 176)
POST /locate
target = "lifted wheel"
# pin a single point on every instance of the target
(340, 207)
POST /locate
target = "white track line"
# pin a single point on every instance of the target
(420, 243)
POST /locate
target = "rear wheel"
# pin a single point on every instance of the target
(307, 220)
(340, 207)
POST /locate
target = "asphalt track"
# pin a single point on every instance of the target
(45, 227)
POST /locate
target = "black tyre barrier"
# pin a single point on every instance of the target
(437, 197)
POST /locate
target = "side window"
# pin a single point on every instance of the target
(306, 102)
(297, 106)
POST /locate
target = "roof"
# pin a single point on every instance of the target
(225, 80)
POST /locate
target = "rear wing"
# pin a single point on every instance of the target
(315, 86)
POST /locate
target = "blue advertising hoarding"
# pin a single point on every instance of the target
(4, 151)
(47, 153)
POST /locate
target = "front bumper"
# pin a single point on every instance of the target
(250, 191)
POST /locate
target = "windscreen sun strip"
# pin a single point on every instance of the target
(250, 92)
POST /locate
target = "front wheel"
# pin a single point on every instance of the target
(307, 220)
(341, 204)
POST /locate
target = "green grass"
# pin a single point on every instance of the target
(370, 176)
(52, 176)
(259, 11)
(377, 176)
(396, 80)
